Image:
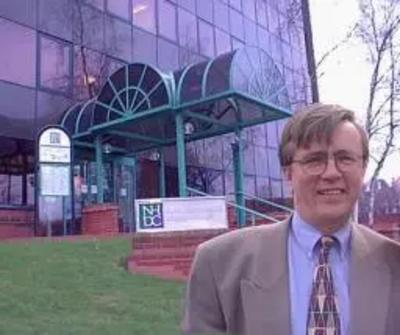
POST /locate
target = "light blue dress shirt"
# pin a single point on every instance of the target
(302, 259)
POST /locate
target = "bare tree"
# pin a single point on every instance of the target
(379, 30)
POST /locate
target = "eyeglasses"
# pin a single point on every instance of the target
(316, 164)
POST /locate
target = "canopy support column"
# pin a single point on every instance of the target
(161, 174)
(237, 153)
(180, 151)
(99, 169)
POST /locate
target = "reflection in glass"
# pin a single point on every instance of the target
(119, 8)
(55, 17)
(18, 54)
(119, 39)
(167, 20)
(261, 10)
(206, 39)
(263, 189)
(144, 47)
(250, 32)
(144, 14)
(88, 27)
(17, 111)
(222, 15)
(274, 164)
(276, 188)
(222, 42)
(55, 65)
(23, 11)
(187, 30)
(236, 4)
(91, 70)
(190, 5)
(249, 9)
(237, 27)
(205, 10)
(167, 55)
(261, 160)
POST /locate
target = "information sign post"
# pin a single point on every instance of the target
(55, 181)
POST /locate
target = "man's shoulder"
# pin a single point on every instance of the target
(241, 239)
(378, 241)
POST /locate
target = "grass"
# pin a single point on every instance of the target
(77, 287)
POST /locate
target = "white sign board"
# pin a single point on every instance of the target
(55, 180)
(180, 214)
(54, 146)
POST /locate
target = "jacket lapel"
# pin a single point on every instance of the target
(265, 293)
(370, 284)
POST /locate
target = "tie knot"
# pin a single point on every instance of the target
(327, 242)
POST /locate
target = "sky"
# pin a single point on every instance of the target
(344, 75)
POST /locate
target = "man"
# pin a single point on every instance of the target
(318, 272)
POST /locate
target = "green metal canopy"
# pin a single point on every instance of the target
(136, 108)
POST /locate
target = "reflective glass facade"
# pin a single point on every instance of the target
(57, 52)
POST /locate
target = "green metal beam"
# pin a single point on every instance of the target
(205, 118)
(135, 136)
(180, 150)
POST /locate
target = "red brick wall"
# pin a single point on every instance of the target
(100, 219)
(16, 223)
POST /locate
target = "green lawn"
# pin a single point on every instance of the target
(78, 287)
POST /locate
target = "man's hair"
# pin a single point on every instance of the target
(316, 122)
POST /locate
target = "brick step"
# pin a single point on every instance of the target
(160, 262)
(164, 252)
(165, 271)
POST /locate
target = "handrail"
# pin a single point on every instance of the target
(248, 210)
(267, 202)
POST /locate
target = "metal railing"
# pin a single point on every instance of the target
(253, 213)
(269, 203)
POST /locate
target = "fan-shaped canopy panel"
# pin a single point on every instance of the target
(137, 106)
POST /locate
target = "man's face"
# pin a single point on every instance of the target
(326, 200)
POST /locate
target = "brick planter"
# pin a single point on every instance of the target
(100, 219)
(16, 222)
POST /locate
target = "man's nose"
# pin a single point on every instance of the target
(331, 169)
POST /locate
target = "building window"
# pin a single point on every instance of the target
(144, 47)
(190, 5)
(205, 10)
(119, 8)
(222, 16)
(167, 20)
(187, 30)
(18, 53)
(119, 39)
(168, 55)
(55, 17)
(237, 28)
(143, 13)
(249, 9)
(55, 64)
(262, 13)
(206, 39)
(237, 4)
(223, 42)
(250, 32)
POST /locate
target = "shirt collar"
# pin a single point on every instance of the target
(307, 236)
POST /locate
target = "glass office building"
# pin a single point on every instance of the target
(55, 53)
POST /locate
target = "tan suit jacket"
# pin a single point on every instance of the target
(239, 284)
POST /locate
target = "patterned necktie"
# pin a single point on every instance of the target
(323, 316)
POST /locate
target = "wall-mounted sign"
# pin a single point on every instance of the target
(178, 214)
